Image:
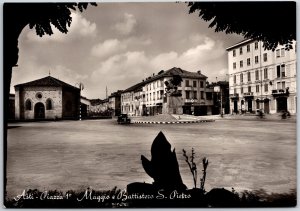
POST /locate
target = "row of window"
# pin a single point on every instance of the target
(155, 85)
(256, 61)
(247, 48)
(28, 104)
(187, 84)
(279, 52)
(153, 96)
(249, 89)
(280, 74)
(280, 85)
(193, 94)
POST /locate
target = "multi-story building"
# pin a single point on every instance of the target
(261, 79)
(114, 101)
(132, 100)
(149, 97)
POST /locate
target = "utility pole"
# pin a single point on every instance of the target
(81, 87)
(106, 92)
(221, 101)
(261, 79)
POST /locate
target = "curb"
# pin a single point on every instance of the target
(179, 122)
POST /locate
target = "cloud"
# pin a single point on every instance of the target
(25, 74)
(138, 41)
(80, 27)
(114, 46)
(128, 68)
(126, 26)
(108, 48)
(194, 58)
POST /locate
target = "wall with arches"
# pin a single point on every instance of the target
(35, 95)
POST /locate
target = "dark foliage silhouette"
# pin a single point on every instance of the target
(163, 167)
(40, 16)
(271, 22)
(172, 85)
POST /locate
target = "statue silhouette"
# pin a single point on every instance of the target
(163, 167)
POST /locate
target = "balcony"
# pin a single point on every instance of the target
(190, 100)
(236, 95)
(248, 94)
(280, 92)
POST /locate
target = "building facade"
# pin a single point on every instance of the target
(132, 100)
(85, 105)
(261, 79)
(46, 98)
(220, 97)
(114, 101)
(149, 97)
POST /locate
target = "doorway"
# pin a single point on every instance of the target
(267, 106)
(235, 106)
(39, 111)
(249, 101)
(281, 104)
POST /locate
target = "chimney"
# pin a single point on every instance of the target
(199, 72)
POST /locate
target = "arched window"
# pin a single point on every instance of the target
(49, 104)
(28, 105)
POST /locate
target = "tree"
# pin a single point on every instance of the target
(16, 16)
(273, 23)
(37, 15)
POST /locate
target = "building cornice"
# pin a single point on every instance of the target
(239, 44)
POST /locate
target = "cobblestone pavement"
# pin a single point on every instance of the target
(102, 154)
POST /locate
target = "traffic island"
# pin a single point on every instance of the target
(173, 122)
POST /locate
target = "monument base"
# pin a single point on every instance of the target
(174, 105)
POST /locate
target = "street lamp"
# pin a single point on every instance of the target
(81, 87)
(219, 90)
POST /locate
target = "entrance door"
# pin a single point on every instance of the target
(235, 106)
(39, 111)
(249, 105)
(281, 104)
(267, 106)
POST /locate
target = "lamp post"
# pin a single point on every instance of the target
(219, 90)
(81, 87)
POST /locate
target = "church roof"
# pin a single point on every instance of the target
(47, 81)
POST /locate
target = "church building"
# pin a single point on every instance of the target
(46, 98)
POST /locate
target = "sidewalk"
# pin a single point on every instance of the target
(266, 117)
(168, 119)
(184, 118)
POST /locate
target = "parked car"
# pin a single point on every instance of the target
(123, 119)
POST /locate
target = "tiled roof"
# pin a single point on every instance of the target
(176, 71)
(95, 102)
(135, 87)
(116, 94)
(168, 73)
(47, 81)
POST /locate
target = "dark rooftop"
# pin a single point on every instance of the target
(47, 81)
(167, 73)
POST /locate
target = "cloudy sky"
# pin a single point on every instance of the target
(119, 44)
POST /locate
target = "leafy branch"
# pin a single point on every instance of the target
(193, 168)
(192, 165)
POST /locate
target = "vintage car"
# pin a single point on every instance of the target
(123, 119)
